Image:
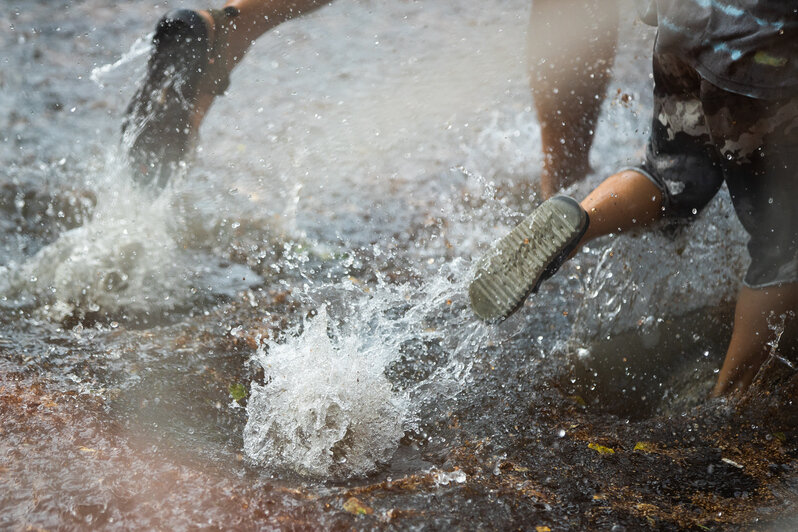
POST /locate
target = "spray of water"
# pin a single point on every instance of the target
(107, 74)
(337, 414)
(125, 257)
(139, 251)
(331, 406)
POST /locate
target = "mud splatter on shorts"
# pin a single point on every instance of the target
(702, 135)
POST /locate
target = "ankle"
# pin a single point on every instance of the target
(206, 16)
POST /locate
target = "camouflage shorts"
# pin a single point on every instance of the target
(702, 135)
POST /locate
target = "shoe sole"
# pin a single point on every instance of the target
(531, 252)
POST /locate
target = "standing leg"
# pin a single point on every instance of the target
(571, 47)
(753, 335)
(758, 145)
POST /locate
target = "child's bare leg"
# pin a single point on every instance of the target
(623, 201)
(506, 275)
(255, 18)
(749, 347)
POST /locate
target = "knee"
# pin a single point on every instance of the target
(688, 183)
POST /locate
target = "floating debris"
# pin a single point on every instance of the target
(601, 449)
(354, 506)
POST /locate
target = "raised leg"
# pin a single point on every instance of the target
(255, 18)
(624, 201)
(536, 247)
(193, 55)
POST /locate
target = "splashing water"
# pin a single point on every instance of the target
(105, 74)
(122, 257)
(668, 272)
(777, 326)
(133, 256)
(328, 407)
(338, 414)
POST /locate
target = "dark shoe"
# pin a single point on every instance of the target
(157, 131)
(533, 251)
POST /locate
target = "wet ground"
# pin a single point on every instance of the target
(281, 338)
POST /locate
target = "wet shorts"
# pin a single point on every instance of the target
(702, 135)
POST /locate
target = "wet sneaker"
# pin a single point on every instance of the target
(157, 130)
(530, 253)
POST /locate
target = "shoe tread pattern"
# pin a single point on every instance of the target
(509, 272)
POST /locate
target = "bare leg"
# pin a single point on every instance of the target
(749, 347)
(255, 18)
(571, 51)
(623, 201)
(628, 200)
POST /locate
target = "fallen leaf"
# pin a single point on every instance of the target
(577, 399)
(542, 529)
(601, 449)
(731, 463)
(647, 508)
(644, 446)
(238, 391)
(354, 506)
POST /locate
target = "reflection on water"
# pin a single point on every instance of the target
(314, 254)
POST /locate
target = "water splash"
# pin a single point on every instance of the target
(326, 407)
(111, 74)
(777, 326)
(333, 403)
(131, 256)
(670, 271)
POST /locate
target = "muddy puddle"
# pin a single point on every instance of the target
(281, 338)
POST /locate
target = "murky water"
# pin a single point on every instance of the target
(313, 259)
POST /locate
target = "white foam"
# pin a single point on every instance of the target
(326, 408)
(135, 255)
